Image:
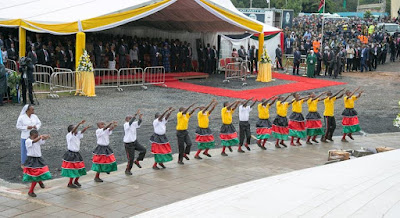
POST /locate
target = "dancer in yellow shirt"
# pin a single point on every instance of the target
(182, 124)
(228, 132)
(264, 125)
(350, 120)
(329, 115)
(297, 123)
(204, 136)
(280, 129)
(313, 118)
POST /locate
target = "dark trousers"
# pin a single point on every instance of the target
(349, 64)
(319, 67)
(244, 131)
(30, 90)
(130, 149)
(356, 64)
(296, 66)
(253, 64)
(330, 126)
(363, 65)
(183, 137)
(279, 63)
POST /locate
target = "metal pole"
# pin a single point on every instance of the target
(323, 24)
(251, 3)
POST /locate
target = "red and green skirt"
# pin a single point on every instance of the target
(280, 128)
(263, 129)
(161, 148)
(314, 124)
(103, 160)
(73, 165)
(297, 125)
(350, 121)
(228, 135)
(35, 170)
(204, 138)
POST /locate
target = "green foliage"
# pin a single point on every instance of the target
(367, 14)
(12, 82)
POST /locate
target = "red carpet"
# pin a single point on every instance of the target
(301, 84)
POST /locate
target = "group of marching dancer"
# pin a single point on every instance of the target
(103, 161)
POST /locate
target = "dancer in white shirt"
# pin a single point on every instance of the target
(244, 125)
(73, 165)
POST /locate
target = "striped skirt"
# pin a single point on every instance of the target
(280, 128)
(314, 124)
(73, 165)
(161, 148)
(103, 159)
(263, 129)
(350, 121)
(228, 135)
(204, 138)
(297, 125)
(35, 170)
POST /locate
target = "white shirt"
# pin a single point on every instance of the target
(24, 121)
(74, 141)
(103, 137)
(159, 126)
(244, 113)
(33, 149)
(130, 131)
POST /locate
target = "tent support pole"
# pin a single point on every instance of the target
(260, 45)
(80, 46)
(22, 42)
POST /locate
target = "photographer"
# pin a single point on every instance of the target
(26, 69)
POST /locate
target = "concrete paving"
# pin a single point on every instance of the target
(147, 189)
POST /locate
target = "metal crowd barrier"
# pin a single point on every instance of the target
(12, 65)
(130, 77)
(56, 69)
(289, 63)
(63, 82)
(44, 69)
(42, 82)
(235, 70)
(106, 78)
(154, 75)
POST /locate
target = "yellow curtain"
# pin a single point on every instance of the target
(80, 46)
(22, 42)
(260, 45)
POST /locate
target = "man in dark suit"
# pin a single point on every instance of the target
(12, 53)
(201, 58)
(62, 58)
(214, 59)
(153, 55)
(99, 54)
(188, 61)
(364, 58)
(319, 63)
(357, 56)
(208, 59)
(32, 55)
(8, 42)
(174, 56)
(43, 56)
(122, 51)
(278, 55)
(296, 61)
(26, 68)
(69, 51)
(253, 58)
(242, 53)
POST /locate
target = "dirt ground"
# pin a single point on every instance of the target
(377, 108)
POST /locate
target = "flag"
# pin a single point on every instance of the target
(321, 6)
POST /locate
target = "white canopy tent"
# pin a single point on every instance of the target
(62, 17)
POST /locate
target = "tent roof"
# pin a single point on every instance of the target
(68, 17)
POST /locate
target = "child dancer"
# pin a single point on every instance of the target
(280, 128)
(350, 120)
(244, 125)
(160, 146)
(313, 119)
(35, 169)
(131, 143)
(182, 124)
(103, 155)
(228, 132)
(264, 125)
(297, 123)
(204, 136)
(73, 165)
(329, 115)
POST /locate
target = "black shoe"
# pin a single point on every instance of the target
(181, 162)
(248, 148)
(186, 157)
(138, 164)
(207, 154)
(33, 103)
(97, 179)
(41, 185)
(108, 173)
(240, 151)
(197, 157)
(259, 144)
(263, 148)
(128, 173)
(32, 194)
(72, 186)
(162, 165)
(155, 168)
(77, 184)
(224, 154)
(230, 149)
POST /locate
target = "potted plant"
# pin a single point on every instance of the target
(13, 80)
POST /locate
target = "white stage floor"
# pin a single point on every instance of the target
(362, 187)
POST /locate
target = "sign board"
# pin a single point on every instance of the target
(269, 18)
(255, 13)
(287, 18)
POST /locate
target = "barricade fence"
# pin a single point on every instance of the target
(235, 70)
(42, 82)
(106, 78)
(154, 75)
(131, 77)
(63, 82)
(11, 64)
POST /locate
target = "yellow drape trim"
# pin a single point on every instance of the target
(114, 18)
(260, 45)
(22, 42)
(15, 22)
(80, 46)
(241, 20)
(63, 28)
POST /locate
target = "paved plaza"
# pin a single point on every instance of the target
(147, 189)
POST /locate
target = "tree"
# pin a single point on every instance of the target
(367, 14)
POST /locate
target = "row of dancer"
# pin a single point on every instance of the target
(103, 160)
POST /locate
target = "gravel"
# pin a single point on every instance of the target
(377, 109)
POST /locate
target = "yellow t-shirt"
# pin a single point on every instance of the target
(226, 115)
(349, 102)
(281, 109)
(329, 106)
(182, 121)
(312, 105)
(297, 106)
(203, 119)
(263, 111)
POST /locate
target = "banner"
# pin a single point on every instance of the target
(287, 18)
(321, 6)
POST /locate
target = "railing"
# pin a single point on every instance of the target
(106, 78)
(12, 65)
(235, 70)
(154, 75)
(63, 82)
(43, 69)
(42, 82)
(130, 77)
